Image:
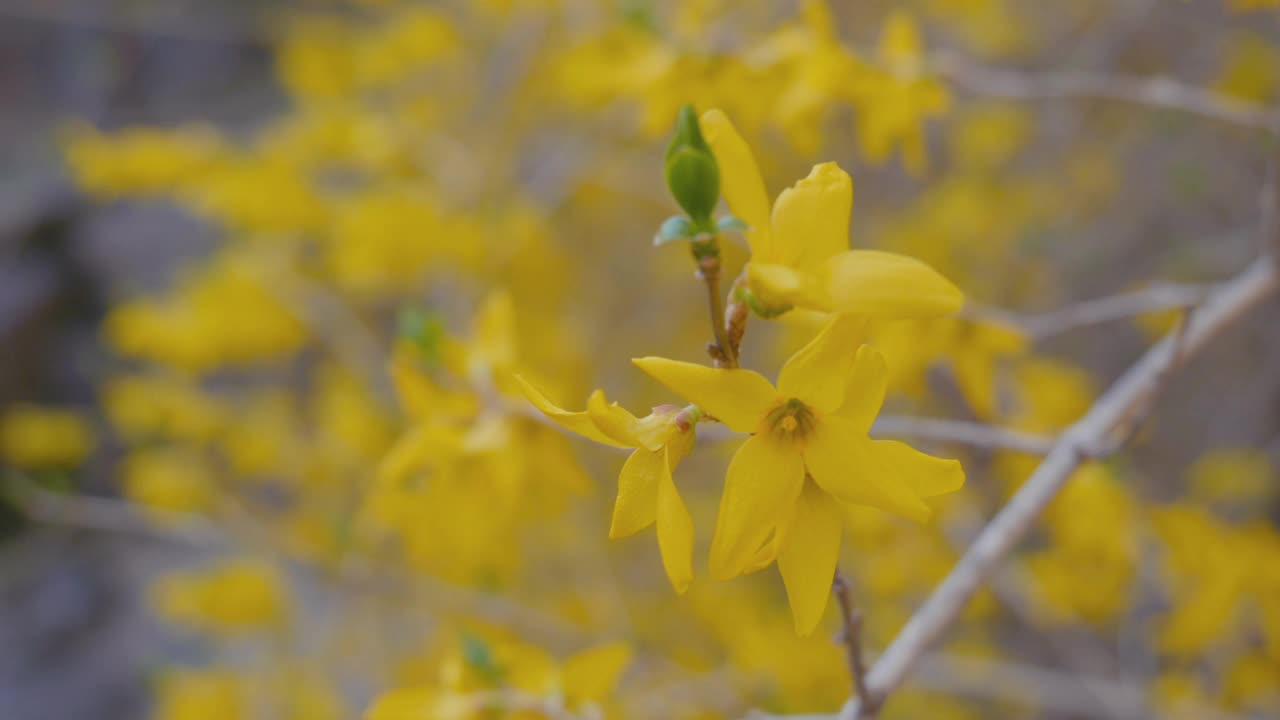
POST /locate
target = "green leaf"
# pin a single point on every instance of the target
(477, 653)
(757, 307)
(426, 330)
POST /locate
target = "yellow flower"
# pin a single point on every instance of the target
(800, 254)
(206, 694)
(238, 595)
(892, 108)
(170, 478)
(647, 494)
(491, 677)
(808, 453)
(39, 437)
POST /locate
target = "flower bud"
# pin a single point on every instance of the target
(692, 174)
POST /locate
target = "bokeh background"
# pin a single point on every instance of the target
(233, 234)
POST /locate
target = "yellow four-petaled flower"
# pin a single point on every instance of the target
(808, 454)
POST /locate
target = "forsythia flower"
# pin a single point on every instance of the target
(800, 254)
(647, 494)
(808, 453)
(38, 437)
(241, 595)
(895, 106)
(507, 679)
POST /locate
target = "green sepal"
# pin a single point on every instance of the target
(676, 227)
(757, 306)
(731, 223)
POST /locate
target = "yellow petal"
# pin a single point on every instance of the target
(864, 390)
(818, 372)
(578, 422)
(767, 552)
(738, 398)
(675, 533)
(618, 423)
(637, 500)
(740, 180)
(808, 557)
(781, 286)
(811, 218)
(763, 481)
(846, 464)
(494, 334)
(592, 675)
(926, 475)
(877, 283)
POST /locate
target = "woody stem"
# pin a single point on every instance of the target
(722, 351)
(851, 636)
(736, 313)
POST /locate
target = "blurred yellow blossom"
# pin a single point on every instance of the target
(234, 596)
(39, 437)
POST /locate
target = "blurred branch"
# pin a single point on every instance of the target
(1165, 296)
(125, 518)
(518, 703)
(1087, 439)
(1034, 687)
(113, 20)
(971, 434)
(337, 325)
(1154, 91)
(851, 634)
(106, 514)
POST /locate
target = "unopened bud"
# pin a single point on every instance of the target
(692, 174)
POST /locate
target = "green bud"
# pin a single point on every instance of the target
(692, 174)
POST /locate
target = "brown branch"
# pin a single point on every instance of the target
(736, 313)
(851, 638)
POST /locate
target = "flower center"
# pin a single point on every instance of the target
(791, 420)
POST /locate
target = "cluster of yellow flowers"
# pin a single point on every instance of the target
(357, 400)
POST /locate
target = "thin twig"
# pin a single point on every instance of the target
(1121, 306)
(1154, 91)
(736, 313)
(125, 518)
(888, 427)
(517, 702)
(851, 636)
(1080, 442)
(107, 514)
(1045, 689)
(961, 432)
(721, 349)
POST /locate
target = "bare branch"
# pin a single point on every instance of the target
(1154, 91)
(1080, 442)
(358, 572)
(1166, 296)
(851, 635)
(1036, 687)
(961, 432)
